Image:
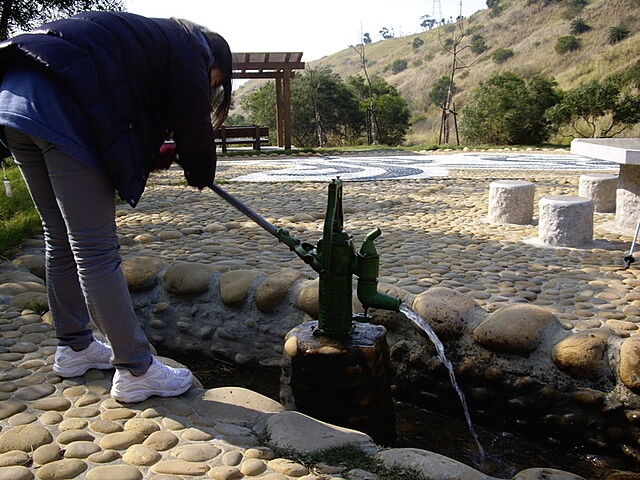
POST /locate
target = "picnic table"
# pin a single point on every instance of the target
(625, 152)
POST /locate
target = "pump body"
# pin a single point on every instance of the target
(336, 261)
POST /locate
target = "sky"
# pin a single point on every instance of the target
(317, 28)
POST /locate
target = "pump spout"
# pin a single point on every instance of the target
(367, 265)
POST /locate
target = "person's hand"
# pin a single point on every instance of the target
(200, 177)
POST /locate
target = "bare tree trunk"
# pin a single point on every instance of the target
(372, 123)
(447, 109)
(4, 18)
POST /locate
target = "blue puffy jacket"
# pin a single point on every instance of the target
(135, 79)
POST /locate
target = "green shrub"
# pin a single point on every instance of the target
(617, 34)
(567, 44)
(478, 44)
(578, 26)
(573, 8)
(399, 65)
(496, 10)
(501, 55)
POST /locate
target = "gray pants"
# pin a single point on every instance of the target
(84, 280)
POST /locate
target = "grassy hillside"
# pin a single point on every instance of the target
(530, 28)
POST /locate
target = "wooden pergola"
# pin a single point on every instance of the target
(279, 66)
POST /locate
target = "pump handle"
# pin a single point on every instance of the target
(269, 227)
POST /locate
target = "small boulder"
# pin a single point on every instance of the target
(444, 309)
(430, 464)
(584, 353)
(515, 328)
(187, 278)
(34, 263)
(308, 298)
(630, 363)
(235, 284)
(274, 289)
(141, 273)
(15, 288)
(546, 474)
(36, 301)
(307, 435)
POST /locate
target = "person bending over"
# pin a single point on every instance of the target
(85, 106)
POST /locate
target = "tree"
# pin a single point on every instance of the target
(543, 94)
(370, 119)
(324, 111)
(261, 105)
(22, 15)
(597, 109)
(440, 91)
(385, 33)
(506, 110)
(495, 8)
(393, 116)
(391, 111)
(454, 46)
(366, 39)
(427, 22)
(417, 43)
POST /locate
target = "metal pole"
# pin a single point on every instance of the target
(269, 227)
(629, 259)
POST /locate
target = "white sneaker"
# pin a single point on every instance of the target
(68, 363)
(159, 379)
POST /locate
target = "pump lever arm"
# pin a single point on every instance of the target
(303, 250)
(269, 227)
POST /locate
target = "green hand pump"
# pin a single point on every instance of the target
(336, 261)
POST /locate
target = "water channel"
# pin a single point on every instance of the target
(504, 453)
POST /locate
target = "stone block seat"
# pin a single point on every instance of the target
(565, 221)
(601, 188)
(511, 201)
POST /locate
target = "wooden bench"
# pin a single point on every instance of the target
(252, 134)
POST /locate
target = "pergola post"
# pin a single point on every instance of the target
(279, 112)
(277, 66)
(286, 114)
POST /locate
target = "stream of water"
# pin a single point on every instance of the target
(426, 328)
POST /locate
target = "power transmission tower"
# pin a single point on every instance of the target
(437, 11)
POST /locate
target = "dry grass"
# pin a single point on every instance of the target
(531, 31)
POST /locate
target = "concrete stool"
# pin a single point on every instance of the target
(511, 201)
(565, 221)
(601, 188)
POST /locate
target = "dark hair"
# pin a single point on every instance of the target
(220, 99)
(222, 59)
